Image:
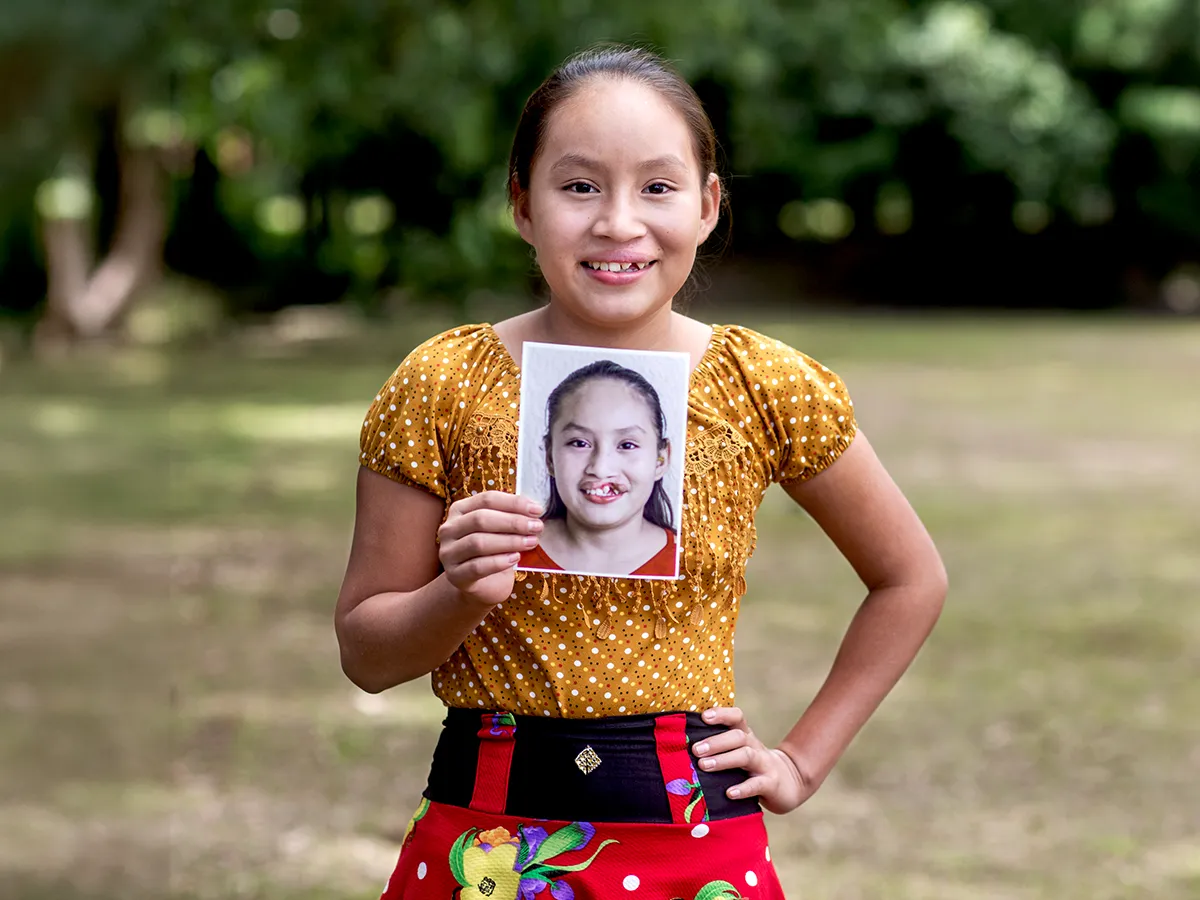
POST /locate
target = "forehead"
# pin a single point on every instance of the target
(618, 122)
(605, 401)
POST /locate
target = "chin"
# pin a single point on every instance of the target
(614, 307)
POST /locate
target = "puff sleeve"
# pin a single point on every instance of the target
(812, 416)
(401, 437)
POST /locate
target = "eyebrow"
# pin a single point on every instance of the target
(577, 427)
(579, 161)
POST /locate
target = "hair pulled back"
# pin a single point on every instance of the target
(616, 61)
(658, 507)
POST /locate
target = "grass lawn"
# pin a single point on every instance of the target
(173, 528)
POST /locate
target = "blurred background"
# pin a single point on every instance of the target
(223, 224)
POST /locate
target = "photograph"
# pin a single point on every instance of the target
(601, 449)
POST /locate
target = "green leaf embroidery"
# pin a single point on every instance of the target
(456, 855)
(422, 808)
(548, 869)
(687, 813)
(718, 890)
(568, 838)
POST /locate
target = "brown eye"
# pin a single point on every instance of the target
(579, 187)
(659, 188)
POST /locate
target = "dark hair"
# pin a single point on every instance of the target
(614, 61)
(658, 507)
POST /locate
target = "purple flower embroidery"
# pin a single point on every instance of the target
(530, 887)
(533, 837)
(679, 786)
(560, 890)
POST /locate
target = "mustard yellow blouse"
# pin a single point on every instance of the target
(584, 646)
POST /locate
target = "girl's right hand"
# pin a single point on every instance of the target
(482, 540)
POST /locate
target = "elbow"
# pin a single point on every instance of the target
(936, 585)
(373, 679)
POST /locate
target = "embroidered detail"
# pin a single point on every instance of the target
(417, 816)
(717, 890)
(588, 760)
(485, 431)
(487, 452)
(495, 864)
(718, 443)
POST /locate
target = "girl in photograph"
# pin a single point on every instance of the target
(591, 747)
(606, 453)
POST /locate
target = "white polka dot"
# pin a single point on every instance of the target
(422, 871)
(700, 830)
(768, 854)
(631, 883)
(751, 879)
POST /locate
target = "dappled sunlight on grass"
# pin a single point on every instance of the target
(170, 551)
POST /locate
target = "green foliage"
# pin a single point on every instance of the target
(366, 141)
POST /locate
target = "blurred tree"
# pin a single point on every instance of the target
(299, 152)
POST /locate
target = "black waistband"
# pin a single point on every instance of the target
(546, 781)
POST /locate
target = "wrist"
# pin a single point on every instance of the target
(810, 774)
(466, 600)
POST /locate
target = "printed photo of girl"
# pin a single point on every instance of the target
(605, 467)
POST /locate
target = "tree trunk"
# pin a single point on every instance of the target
(82, 302)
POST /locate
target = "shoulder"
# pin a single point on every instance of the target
(757, 351)
(462, 343)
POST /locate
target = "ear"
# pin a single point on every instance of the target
(520, 211)
(710, 207)
(664, 461)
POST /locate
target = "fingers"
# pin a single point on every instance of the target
(775, 779)
(493, 523)
(481, 567)
(721, 743)
(476, 546)
(755, 786)
(745, 757)
(488, 521)
(501, 501)
(727, 715)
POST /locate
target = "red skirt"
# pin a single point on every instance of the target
(452, 852)
(499, 837)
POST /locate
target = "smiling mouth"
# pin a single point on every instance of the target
(598, 266)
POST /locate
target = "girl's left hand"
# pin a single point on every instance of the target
(775, 778)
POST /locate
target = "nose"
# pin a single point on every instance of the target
(618, 219)
(601, 462)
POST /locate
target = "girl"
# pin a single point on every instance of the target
(591, 747)
(606, 445)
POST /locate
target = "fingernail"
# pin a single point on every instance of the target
(710, 714)
(701, 749)
(735, 793)
(708, 763)
(534, 509)
(529, 541)
(514, 558)
(534, 525)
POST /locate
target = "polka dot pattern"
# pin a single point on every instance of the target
(561, 645)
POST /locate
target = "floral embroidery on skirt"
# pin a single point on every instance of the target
(455, 853)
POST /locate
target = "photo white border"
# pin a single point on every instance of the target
(544, 366)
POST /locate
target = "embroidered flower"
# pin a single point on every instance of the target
(417, 816)
(493, 865)
(718, 890)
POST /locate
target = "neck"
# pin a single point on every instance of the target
(656, 331)
(613, 542)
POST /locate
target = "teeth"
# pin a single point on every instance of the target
(606, 491)
(616, 267)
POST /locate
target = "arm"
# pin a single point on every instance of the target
(413, 590)
(860, 508)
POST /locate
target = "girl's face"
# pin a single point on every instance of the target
(604, 454)
(616, 204)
